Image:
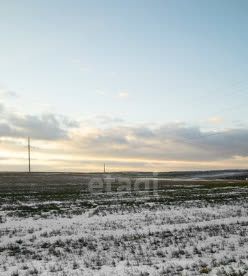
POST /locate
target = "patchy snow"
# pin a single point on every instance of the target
(118, 236)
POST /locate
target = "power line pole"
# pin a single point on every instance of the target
(29, 163)
(104, 168)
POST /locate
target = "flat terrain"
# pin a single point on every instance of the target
(57, 224)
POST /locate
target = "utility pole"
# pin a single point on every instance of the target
(104, 168)
(29, 163)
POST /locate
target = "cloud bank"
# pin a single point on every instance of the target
(44, 127)
(65, 142)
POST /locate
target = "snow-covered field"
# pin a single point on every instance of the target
(190, 229)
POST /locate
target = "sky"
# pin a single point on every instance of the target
(140, 85)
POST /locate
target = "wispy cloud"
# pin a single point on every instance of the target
(82, 67)
(101, 92)
(6, 93)
(123, 94)
(215, 120)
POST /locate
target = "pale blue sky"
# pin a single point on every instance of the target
(150, 62)
(177, 60)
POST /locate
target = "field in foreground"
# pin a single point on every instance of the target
(51, 224)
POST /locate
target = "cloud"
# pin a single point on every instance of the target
(82, 67)
(167, 142)
(47, 126)
(216, 120)
(6, 131)
(106, 120)
(5, 93)
(1, 108)
(100, 92)
(123, 94)
(112, 139)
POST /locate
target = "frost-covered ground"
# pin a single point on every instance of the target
(50, 225)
